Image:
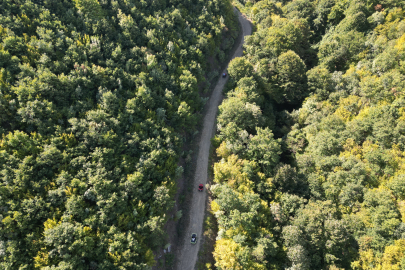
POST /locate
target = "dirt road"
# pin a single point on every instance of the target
(187, 256)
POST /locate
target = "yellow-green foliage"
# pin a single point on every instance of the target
(346, 142)
(390, 260)
(230, 170)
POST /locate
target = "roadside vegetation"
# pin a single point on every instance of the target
(312, 141)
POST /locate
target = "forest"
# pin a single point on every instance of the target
(97, 98)
(310, 143)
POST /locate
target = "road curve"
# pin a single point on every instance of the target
(187, 255)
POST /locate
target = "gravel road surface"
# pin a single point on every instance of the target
(187, 255)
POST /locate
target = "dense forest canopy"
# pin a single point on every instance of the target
(95, 99)
(311, 139)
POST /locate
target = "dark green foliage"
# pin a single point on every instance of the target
(240, 68)
(94, 95)
(290, 78)
(264, 149)
(320, 81)
(244, 115)
(317, 237)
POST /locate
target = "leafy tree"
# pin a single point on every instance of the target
(319, 238)
(93, 98)
(245, 115)
(239, 68)
(225, 252)
(328, 78)
(265, 150)
(320, 82)
(290, 78)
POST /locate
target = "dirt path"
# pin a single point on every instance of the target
(187, 256)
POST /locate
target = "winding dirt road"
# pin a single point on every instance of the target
(187, 255)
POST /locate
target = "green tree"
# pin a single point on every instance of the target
(245, 115)
(265, 150)
(239, 68)
(320, 82)
(290, 78)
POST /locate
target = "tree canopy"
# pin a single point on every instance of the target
(325, 160)
(96, 98)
